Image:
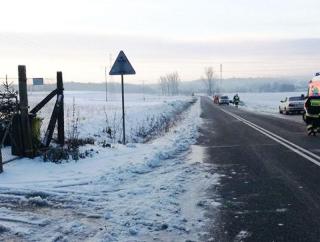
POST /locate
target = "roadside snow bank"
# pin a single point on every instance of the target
(137, 192)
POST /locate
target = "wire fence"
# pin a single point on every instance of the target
(6, 154)
(5, 149)
(18, 126)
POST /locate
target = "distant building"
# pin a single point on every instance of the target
(37, 81)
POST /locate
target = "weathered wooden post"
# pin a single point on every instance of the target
(61, 109)
(25, 122)
(1, 165)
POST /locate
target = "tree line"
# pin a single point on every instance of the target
(169, 84)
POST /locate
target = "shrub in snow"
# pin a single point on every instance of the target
(155, 125)
(3, 229)
(113, 127)
(73, 142)
(56, 154)
(59, 154)
(105, 144)
(37, 194)
(73, 133)
(38, 201)
(79, 142)
(144, 128)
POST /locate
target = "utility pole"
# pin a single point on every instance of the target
(106, 80)
(220, 76)
(106, 75)
(110, 61)
(143, 91)
(111, 86)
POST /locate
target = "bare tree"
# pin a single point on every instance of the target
(164, 85)
(174, 81)
(209, 80)
(169, 84)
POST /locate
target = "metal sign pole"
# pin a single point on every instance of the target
(122, 67)
(123, 118)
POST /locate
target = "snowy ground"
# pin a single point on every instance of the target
(138, 192)
(95, 114)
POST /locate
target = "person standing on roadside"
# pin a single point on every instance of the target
(236, 100)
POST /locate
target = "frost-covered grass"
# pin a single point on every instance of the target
(144, 116)
(136, 192)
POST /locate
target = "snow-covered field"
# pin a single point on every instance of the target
(142, 191)
(95, 114)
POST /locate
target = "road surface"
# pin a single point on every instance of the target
(270, 176)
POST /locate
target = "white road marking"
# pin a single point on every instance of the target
(291, 146)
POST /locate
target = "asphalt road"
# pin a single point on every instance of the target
(270, 176)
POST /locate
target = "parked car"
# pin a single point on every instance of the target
(224, 100)
(292, 105)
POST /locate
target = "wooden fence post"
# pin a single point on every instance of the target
(1, 165)
(61, 109)
(25, 122)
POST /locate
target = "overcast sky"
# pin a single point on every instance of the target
(249, 37)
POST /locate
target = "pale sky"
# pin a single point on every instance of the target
(249, 37)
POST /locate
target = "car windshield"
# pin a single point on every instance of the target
(224, 97)
(296, 98)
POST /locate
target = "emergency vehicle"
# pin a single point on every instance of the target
(312, 106)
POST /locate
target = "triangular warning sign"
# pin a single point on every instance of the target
(122, 66)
